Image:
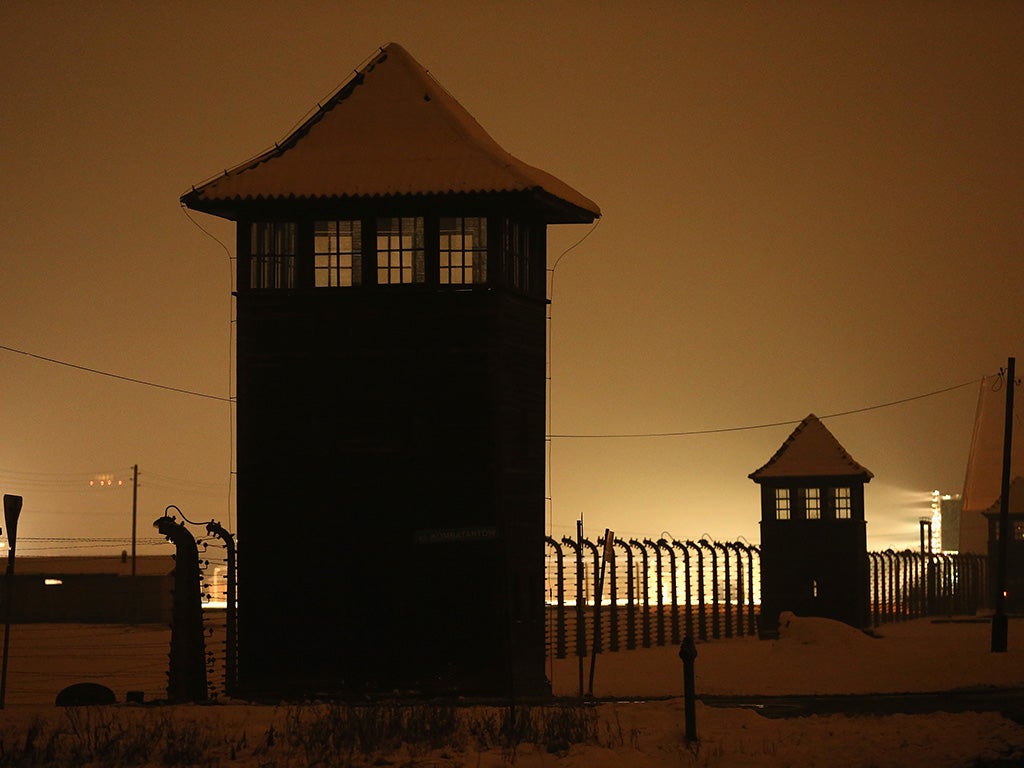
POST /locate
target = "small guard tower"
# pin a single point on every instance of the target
(1014, 601)
(391, 343)
(814, 559)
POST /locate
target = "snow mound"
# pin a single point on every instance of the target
(814, 630)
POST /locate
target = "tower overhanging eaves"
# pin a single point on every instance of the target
(391, 131)
(811, 451)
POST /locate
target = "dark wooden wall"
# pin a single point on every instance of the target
(396, 439)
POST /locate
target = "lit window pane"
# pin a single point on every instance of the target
(463, 250)
(400, 250)
(841, 497)
(337, 253)
(812, 503)
(782, 505)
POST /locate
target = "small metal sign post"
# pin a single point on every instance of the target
(12, 510)
(688, 653)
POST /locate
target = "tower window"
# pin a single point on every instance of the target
(812, 503)
(400, 251)
(843, 506)
(517, 261)
(782, 504)
(463, 251)
(272, 255)
(337, 254)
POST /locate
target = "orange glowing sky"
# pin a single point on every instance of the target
(807, 207)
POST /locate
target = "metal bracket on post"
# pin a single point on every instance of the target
(186, 677)
(702, 615)
(645, 595)
(231, 618)
(631, 602)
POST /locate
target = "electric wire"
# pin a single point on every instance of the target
(749, 427)
(118, 376)
(109, 539)
(231, 353)
(549, 490)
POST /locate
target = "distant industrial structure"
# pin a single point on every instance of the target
(814, 558)
(946, 520)
(391, 348)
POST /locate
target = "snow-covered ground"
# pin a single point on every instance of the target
(810, 656)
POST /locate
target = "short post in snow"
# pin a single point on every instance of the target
(688, 653)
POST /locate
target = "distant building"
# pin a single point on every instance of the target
(814, 559)
(946, 508)
(391, 349)
(92, 590)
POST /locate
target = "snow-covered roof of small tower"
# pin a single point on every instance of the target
(391, 130)
(811, 451)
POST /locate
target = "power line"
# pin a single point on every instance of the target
(748, 427)
(94, 539)
(115, 375)
(603, 436)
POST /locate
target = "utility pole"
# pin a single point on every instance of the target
(135, 510)
(581, 625)
(12, 511)
(999, 620)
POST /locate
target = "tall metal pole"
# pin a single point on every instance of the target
(999, 620)
(926, 551)
(580, 619)
(135, 510)
(12, 511)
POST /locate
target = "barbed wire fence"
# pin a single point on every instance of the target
(657, 591)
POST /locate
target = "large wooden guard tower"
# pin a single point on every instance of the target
(391, 339)
(814, 559)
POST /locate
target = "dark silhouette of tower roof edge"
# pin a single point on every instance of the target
(811, 451)
(391, 130)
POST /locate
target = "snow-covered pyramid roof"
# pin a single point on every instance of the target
(811, 451)
(391, 130)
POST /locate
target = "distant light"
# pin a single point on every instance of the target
(52, 582)
(105, 480)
